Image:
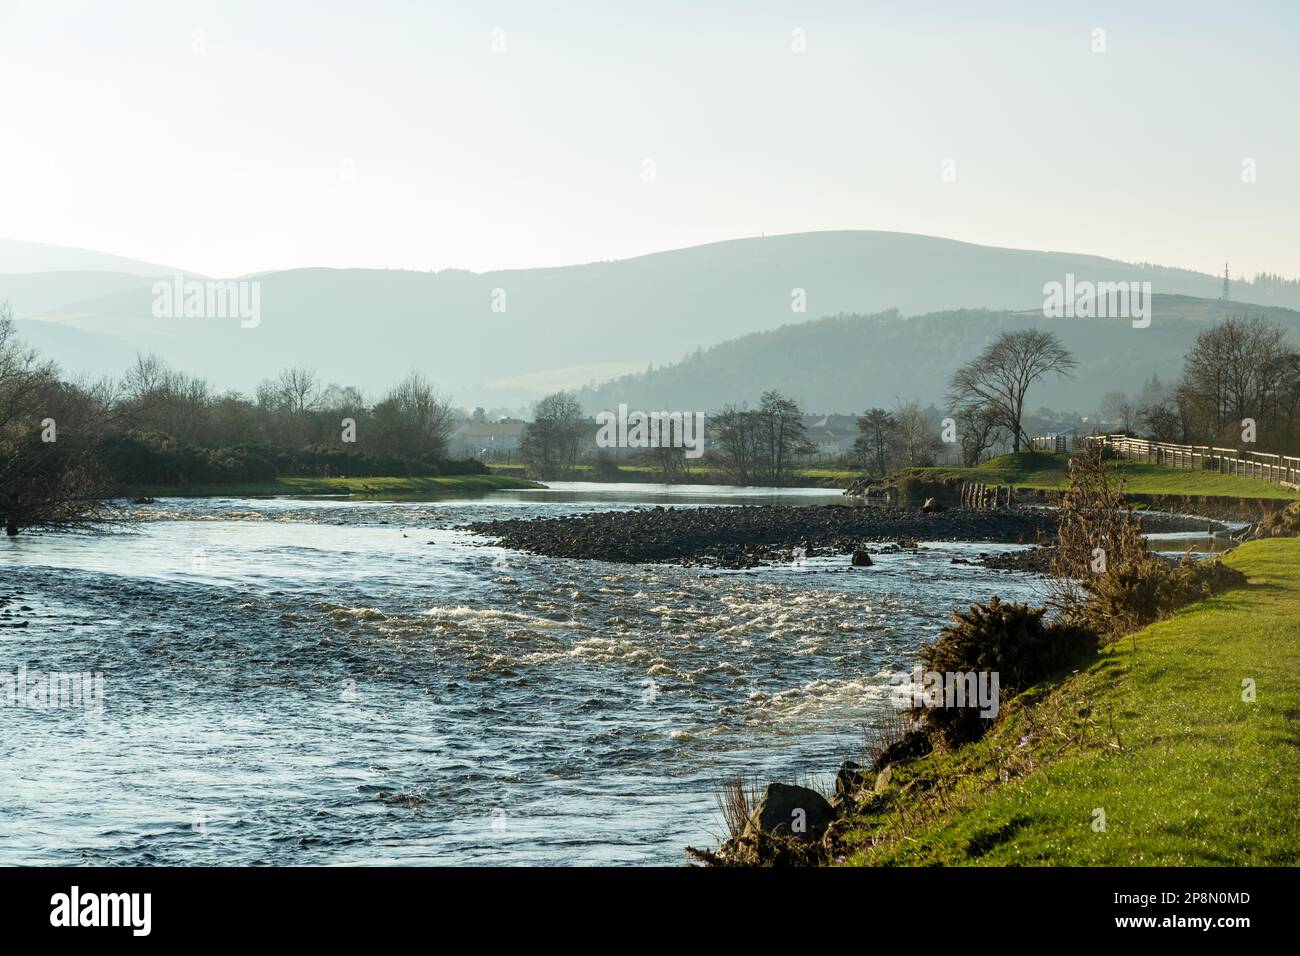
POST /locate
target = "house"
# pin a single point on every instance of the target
(831, 434)
(486, 440)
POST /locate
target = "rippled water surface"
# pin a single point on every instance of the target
(334, 681)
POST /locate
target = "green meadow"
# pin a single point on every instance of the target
(1156, 739)
(1045, 471)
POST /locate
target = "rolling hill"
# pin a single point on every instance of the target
(851, 362)
(17, 256)
(576, 325)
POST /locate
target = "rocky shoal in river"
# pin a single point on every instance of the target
(745, 536)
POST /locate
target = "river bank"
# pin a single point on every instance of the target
(1170, 746)
(382, 486)
(1043, 477)
(1175, 747)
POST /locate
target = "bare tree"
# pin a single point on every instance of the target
(297, 390)
(1000, 376)
(50, 475)
(733, 443)
(668, 459)
(782, 437)
(979, 428)
(876, 433)
(762, 445)
(550, 441)
(425, 416)
(1236, 370)
(1118, 410)
(916, 441)
(1161, 421)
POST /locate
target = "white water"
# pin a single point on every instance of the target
(322, 682)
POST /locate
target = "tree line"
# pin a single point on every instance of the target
(1239, 388)
(1242, 370)
(67, 445)
(750, 446)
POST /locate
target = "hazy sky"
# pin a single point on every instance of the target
(238, 137)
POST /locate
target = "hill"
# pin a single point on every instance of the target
(17, 256)
(851, 362)
(573, 325)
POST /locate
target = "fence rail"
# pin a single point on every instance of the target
(1279, 469)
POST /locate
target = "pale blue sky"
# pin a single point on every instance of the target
(390, 134)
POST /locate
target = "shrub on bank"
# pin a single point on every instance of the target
(1107, 579)
(1281, 524)
(1011, 640)
(324, 461)
(156, 458)
(136, 458)
(1148, 589)
(604, 467)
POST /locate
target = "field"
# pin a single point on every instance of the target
(1046, 471)
(1154, 738)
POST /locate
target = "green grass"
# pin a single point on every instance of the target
(378, 487)
(1154, 732)
(1047, 472)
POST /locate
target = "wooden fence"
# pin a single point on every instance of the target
(1278, 469)
(982, 496)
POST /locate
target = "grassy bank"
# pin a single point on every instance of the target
(703, 475)
(343, 486)
(1154, 733)
(1047, 472)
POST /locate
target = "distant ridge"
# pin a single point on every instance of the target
(506, 337)
(848, 363)
(17, 256)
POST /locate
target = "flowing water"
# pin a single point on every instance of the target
(337, 681)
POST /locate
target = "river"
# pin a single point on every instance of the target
(334, 681)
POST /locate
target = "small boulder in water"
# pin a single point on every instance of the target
(862, 559)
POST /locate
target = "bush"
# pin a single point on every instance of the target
(1281, 524)
(1010, 640)
(155, 458)
(604, 468)
(1149, 589)
(1107, 579)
